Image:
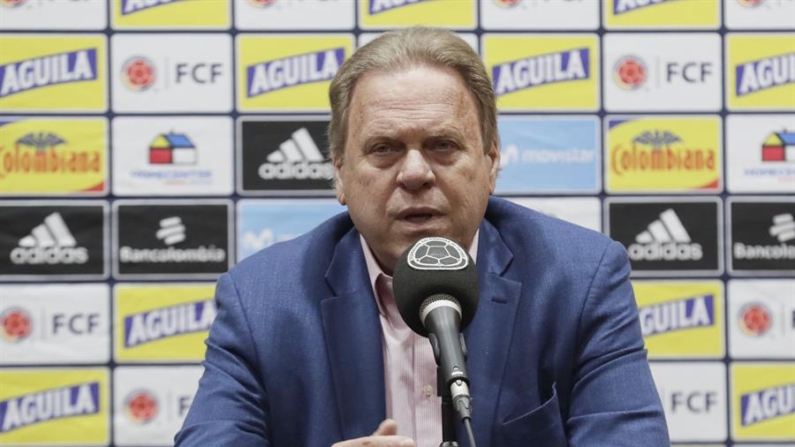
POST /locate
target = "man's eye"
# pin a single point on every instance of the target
(381, 149)
(444, 145)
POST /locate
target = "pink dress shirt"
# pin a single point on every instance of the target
(409, 366)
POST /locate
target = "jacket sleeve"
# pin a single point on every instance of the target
(231, 406)
(614, 401)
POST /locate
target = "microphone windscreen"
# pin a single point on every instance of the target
(432, 266)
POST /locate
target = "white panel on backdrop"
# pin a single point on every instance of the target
(760, 14)
(652, 72)
(180, 156)
(55, 324)
(539, 14)
(28, 15)
(760, 153)
(171, 72)
(469, 38)
(583, 211)
(762, 319)
(694, 399)
(150, 403)
(294, 14)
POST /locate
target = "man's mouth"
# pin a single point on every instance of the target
(418, 217)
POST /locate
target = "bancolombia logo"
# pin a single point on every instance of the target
(162, 238)
(284, 156)
(667, 236)
(763, 235)
(52, 240)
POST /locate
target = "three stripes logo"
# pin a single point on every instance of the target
(665, 239)
(51, 242)
(296, 158)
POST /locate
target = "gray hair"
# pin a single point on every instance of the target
(405, 48)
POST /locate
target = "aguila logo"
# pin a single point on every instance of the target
(755, 319)
(15, 325)
(141, 406)
(138, 74)
(630, 73)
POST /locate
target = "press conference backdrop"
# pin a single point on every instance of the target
(146, 146)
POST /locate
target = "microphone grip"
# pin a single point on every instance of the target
(444, 324)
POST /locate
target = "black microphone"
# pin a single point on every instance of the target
(436, 291)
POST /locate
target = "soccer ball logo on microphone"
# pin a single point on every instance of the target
(437, 253)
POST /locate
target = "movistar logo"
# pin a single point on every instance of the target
(61, 68)
(47, 405)
(623, 6)
(760, 406)
(541, 70)
(278, 74)
(131, 6)
(763, 74)
(166, 322)
(677, 315)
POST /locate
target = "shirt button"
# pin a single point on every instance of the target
(428, 390)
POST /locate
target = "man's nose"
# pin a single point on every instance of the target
(415, 172)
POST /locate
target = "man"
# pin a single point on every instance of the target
(308, 348)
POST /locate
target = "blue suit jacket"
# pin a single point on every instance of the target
(555, 353)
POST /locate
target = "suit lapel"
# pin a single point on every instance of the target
(489, 336)
(353, 341)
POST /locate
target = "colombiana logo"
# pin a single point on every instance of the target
(630, 73)
(535, 71)
(767, 404)
(15, 324)
(141, 406)
(61, 68)
(41, 157)
(755, 319)
(764, 74)
(652, 151)
(269, 76)
(47, 405)
(379, 6)
(133, 6)
(624, 6)
(157, 324)
(138, 73)
(677, 315)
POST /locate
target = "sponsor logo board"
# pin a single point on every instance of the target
(385, 14)
(583, 211)
(762, 319)
(43, 240)
(543, 72)
(54, 406)
(262, 223)
(650, 72)
(760, 14)
(762, 401)
(694, 399)
(521, 15)
(663, 154)
(470, 38)
(166, 239)
(288, 72)
(283, 155)
(52, 156)
(549, 155)
(151, 402)
(172, 73)
(761, 235)
(760, 71)
(661, 14)
(162, 322)
(182, 156)
(28, 15)
(272, 15)
(760, 153)
(681, 319)
(53, 73)
(667, 235)
(170, 14)
(57, 324)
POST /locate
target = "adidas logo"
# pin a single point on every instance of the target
(665, 239)
(49, 243)
(783, 229)
(297, 158)
(171, 231)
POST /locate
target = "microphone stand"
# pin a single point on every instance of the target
(448, 412)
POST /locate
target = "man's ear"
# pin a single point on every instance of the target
(494, 155)
(338, 183)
